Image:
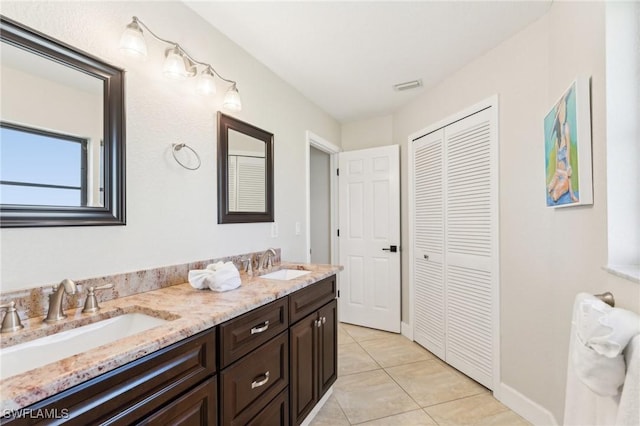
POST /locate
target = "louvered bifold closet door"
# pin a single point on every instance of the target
(233, 183)
(251, 184)
(429, 242)
(469, 251)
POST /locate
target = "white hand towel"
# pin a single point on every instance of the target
(629, 408)
(596, 368)
(218, 276)
(226, 277)
(583, 407)
(602, 334)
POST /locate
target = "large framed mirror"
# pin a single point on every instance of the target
(62, 133)
(245, 172)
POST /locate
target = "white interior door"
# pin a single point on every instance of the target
(369, 217)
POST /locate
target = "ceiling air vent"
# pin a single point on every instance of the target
(408, 85)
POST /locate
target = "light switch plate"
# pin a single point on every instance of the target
(298, 228)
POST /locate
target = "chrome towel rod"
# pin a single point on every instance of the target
(607, 297)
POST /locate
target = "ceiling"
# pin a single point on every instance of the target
(346, 56)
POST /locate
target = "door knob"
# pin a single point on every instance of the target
(392, 249)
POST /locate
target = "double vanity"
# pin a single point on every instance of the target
(147, 348)
(264, 353)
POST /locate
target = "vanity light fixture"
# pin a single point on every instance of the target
(232, 99)
(178, 64)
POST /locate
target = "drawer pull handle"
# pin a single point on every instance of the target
(258, 383)
(324, 320)
(264, 327)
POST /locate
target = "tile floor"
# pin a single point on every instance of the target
(385, 379)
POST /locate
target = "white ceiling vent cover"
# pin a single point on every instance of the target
(408, 85)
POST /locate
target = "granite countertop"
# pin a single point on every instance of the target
(189, 312)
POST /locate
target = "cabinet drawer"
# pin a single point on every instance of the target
(196, 407)
(241, 335)
(249, 384)
(274, 414)
(131, 392)
(309, 299)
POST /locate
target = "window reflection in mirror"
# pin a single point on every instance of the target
(42, 168)
(51, 146)
(247, 173)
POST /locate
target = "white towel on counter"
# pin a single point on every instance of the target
(596, 369)
(218, 277)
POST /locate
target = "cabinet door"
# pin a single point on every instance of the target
(274, 414)
(196, 407)
(303, 376)
(327, 347)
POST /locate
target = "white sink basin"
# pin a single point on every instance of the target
(285, 274)
(45, 350)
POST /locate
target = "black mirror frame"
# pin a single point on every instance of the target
(225, 123)
(113, 211)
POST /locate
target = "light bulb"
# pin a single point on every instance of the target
(132, 40)
(206, 84)
(175, 64)
(232, 99)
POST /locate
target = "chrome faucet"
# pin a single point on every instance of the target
(56, 313)
(266, 258)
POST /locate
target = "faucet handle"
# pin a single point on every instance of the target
(247, 262)
(91, 303)
(11, 321)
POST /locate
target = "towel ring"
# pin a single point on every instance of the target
(178, 147)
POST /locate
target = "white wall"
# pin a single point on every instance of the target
(320, 189)
(171, 212)
(368, 133)
(547, 255)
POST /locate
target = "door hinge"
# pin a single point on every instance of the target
(338, 232)
(338, 293)
(337, 172)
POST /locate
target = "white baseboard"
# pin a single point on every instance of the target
(406, 330)
(525, 407)
(307, 421)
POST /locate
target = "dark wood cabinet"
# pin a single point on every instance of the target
(196, 407)
(313, 361)
(304, 357)
(275, 364)
(133, 391)
(274, 414)
(311, 298)
(245, 333)
(327, 347)
(248, 385)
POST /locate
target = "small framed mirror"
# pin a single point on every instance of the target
(62, 134)
(245, 172)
